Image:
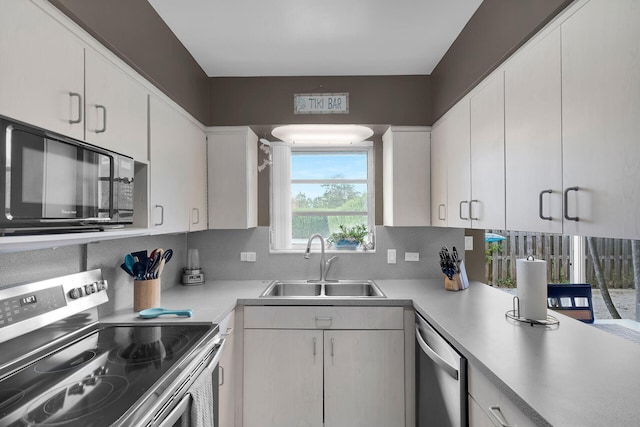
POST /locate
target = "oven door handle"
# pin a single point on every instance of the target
(218, 355)
(181, 408)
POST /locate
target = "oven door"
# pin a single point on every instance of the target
(52, 181)
(181, 415)
(196, 407)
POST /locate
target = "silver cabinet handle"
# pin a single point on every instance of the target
(471, 210)
(440, 207)
(161, 215)
(460, 209)
(566, 204)
(104, 118)
(79, 97)
(197, 212)
(315, 344)
(221, 380)
(497, 414)
(540, 205)
(332, 348)
(452, 371)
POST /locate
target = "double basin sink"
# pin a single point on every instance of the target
(325, 289)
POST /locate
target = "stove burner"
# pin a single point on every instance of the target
(149, 345)
(50, 365)
(79, 399)
(10, 396)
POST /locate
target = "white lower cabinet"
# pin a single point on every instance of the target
(489, 406)
(282, 378)
(364, 378)
(314, 374)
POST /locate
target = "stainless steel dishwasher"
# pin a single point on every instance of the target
(441, 380)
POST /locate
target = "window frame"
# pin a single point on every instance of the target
(282, 213)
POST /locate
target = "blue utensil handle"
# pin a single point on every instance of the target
(187, 313)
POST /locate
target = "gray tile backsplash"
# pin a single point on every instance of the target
(220, 259)
(220, 255)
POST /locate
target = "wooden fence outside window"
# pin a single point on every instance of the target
(615, 257)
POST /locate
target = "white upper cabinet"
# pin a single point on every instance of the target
(233, 177)
(197, 177)
(601, 119)
(486, 207)
(533, 137)
(458, 147)
(41, 70)
(116, 108)
(406, 177)
(169, 184)
(439, 165)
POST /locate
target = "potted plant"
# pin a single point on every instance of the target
(348, 237)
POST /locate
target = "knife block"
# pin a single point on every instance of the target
(146, 294)
(459, 281)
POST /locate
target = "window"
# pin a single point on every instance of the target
(317, 189)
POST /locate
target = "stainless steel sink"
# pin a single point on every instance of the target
(294, 289)
(326, 289)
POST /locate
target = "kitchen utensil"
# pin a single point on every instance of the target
(139, 270)
(129, 260)
(159, 269)
(141, 255)
(153, 265)
(167, 255)
(151, 313)
(126, 269)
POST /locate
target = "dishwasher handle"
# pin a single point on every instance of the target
(451, 370)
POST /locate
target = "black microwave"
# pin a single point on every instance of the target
(52, 183)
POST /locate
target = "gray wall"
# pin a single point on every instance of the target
(398, 100)
(220, 255)
(494, 32)
(134, 31)
(28, 266)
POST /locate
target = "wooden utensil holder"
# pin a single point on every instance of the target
(146, 294)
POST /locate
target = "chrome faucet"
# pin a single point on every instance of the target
(324, 265)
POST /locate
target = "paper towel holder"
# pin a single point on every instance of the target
(514, 314)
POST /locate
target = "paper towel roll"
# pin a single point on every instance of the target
(531, 276)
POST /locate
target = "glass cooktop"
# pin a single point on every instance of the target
(93, 382)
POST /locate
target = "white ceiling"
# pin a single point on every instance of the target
(316, 37)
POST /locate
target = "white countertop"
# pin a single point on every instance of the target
(570, 375)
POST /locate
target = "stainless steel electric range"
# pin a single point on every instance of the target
(60, 366)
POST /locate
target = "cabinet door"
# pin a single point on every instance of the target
(233, 178)
(477, 418)
(283, 378)
(364, 378)
(41, 70)
(486, 208)
(116, 108)
(169, 165)
(601, 119)
(439, 165)
(197, 178)
(406, 192)
(459, 170)
(533, 137)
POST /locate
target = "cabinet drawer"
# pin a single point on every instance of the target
(279, 317)
(494, 403)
